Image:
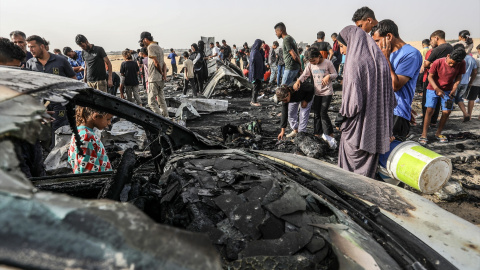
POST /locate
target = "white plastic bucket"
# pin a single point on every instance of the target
(419, 167)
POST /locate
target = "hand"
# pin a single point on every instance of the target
(392, 139)
(296, 86)
(326, 80)
(304, 104)
(452, 94)
(386, 47)
(440, 93)
(110, 82)
(280, 136)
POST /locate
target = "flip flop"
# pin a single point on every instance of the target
(442, 139)
(423, 141)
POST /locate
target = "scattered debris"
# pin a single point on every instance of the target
(310, 145)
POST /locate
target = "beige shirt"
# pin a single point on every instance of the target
(188, 65)
(154, 51)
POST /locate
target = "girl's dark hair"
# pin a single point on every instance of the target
(283, 91)
(466, 35)
(82, 114)
(127, 54)
(313, 52)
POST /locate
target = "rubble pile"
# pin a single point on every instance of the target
(252, 213)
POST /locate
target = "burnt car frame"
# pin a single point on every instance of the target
(377, 225)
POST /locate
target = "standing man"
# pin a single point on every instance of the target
(404, 62)
(95, 60)
(157, 74)
(466, 82)
(365, 18)
(43, 61)
(18, 38)
(290, 54)
(215, 52)
(173, 56)
(440, 49)
(227, 52)
(75, 60)
(324, 47)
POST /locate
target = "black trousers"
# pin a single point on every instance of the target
(198, 77)
(257, 85)
(424, 109)
(321, 121)
(194, 86)
(401, 128)
(174, 68)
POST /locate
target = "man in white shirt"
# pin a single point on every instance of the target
(215, 52)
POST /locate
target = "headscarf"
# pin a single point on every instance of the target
(257, 68)
(368, 96)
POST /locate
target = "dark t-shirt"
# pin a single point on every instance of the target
(129, 69)
(288, 45)
(305, 93)
(322, 46)
(445, 75)
(55, 65)
(95, 64)
(440, 51)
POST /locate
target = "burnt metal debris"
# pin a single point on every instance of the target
(226, 208)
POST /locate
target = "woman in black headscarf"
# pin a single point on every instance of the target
(197, 58)
(367, 103)
(201, 47)
(256, 70)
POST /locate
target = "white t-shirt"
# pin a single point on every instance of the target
(476, 82)
(216, 50)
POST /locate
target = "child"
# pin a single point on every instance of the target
(323, 73)
(129, 70)
(291, 100)
(444, 78)
(94, 158)
(189, 76)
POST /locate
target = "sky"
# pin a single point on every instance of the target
(116, 25)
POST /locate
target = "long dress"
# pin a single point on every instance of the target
(367, 104)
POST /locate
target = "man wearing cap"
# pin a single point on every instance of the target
(76, 61)
(157, 74)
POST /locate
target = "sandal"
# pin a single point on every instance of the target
(423, 141)
(442, 139)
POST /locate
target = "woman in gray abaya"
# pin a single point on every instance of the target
(367, 103)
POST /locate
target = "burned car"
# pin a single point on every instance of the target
(185, 203)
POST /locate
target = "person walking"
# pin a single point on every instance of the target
(368, 100)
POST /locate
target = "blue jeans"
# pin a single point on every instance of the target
(273, 69)
(280, 71)
(288, 76)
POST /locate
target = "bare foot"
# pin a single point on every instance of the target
(255, 104)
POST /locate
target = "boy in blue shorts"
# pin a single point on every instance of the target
(444, 78)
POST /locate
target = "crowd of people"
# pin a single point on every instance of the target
(378, 71)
